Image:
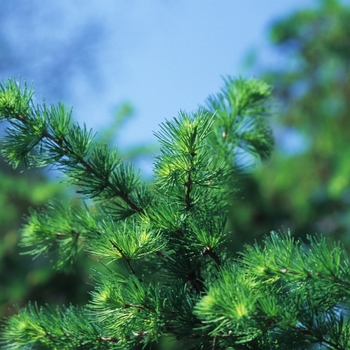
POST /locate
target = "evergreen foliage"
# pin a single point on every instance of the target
(166, 268)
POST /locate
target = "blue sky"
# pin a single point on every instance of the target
(161, 55)
(164, 56)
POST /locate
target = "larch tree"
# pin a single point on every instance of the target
(165, 267)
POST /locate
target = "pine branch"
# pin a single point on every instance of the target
(164, 269)
(67, 328)
(42, 136)
(286, 305)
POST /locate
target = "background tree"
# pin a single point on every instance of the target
(305, 185)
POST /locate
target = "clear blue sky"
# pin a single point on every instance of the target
(162, 55)
(166, 55)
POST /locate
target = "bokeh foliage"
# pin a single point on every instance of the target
(305, 185)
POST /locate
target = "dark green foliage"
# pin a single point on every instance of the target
(166, 270)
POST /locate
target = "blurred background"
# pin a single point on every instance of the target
(126, 66)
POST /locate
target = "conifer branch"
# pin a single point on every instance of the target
(104, 179)
(282, 293)
(125, 258)
(51, 134)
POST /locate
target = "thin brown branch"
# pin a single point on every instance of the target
(70, 152)
(124, 257)
(64, 145)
